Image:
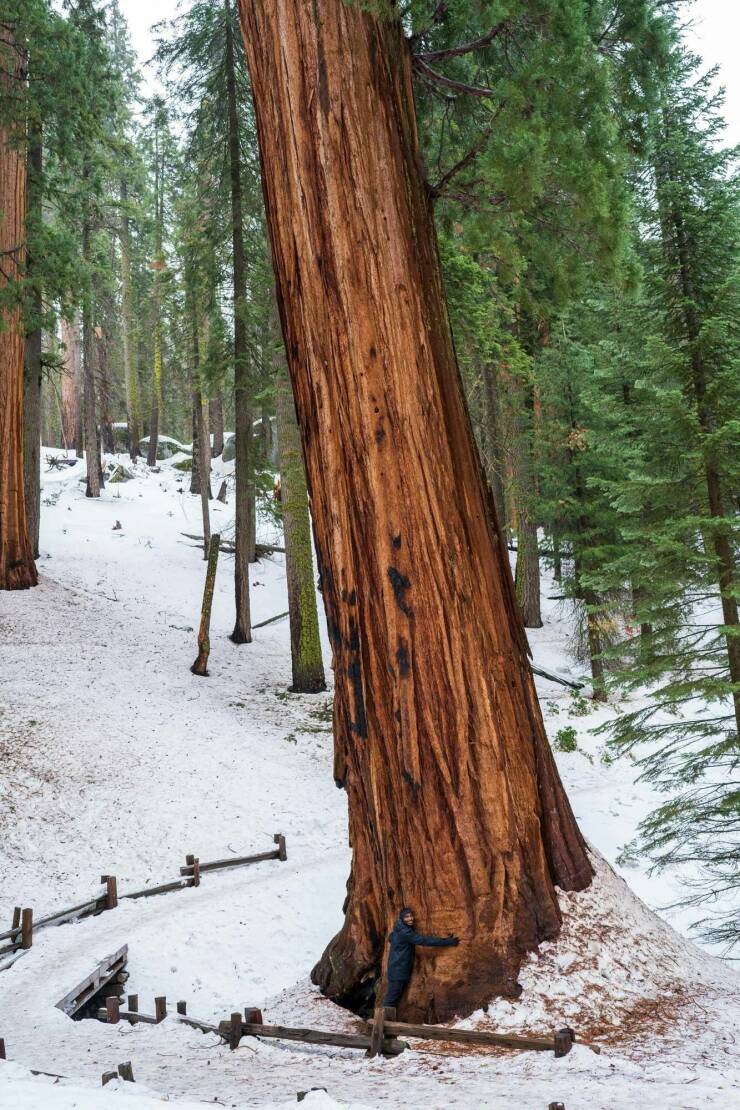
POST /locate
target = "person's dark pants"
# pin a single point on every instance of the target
(396, 987)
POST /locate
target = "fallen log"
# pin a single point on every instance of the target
(553, 677)
(260, 549)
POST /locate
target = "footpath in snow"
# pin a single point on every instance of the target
(115, 759)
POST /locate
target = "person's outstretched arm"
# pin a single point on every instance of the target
(433, 942)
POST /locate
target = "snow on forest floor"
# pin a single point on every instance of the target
(115, 759)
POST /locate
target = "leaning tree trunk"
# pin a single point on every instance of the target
(455, 804)
(305, 642)
(17, 568)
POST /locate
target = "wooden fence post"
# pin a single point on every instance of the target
(279, 839)
(26, 928)
(126, 1071)
(253, 1015)
(160, 1008)
(200, 666)
(16, 918)
(111, 893)
(2, 1049)
(376, 1035)
(235, 1033)
(133, 1003)
(112, 1010)
(196, 872)
(182, 1007)
(564, 1039)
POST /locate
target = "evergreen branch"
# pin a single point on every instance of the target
(464, 48)
(447, 82)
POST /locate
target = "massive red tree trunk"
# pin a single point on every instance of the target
(455, 804)
(17, 568)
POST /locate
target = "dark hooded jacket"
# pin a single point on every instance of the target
(403, 940)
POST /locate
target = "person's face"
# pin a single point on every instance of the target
(408, 918)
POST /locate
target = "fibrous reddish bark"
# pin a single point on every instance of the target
(455, 804)
(17, 567)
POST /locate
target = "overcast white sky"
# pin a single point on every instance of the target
(714, 33)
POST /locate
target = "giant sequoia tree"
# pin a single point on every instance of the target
(17, 568)
(455, 804)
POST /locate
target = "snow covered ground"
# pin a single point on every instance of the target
(115, 759)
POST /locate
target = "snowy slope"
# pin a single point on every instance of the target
(114, 758)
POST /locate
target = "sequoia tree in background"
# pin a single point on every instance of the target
(438, 733)
(17, 568)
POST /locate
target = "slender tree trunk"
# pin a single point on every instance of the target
(557, 557)
(677, 249)
(266, 447)
(244, 538)
(439, 737)
(90, 420)
(71, 386)
(200, 666)
(156, 405)
(130, 375)
(305, 642)
(589, 597)
(195, 432)
(17, 567)
(105, 390)
(216, 424)
(528, 555)
(204, 461)
(494, 440)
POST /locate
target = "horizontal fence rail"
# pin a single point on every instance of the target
(20, 935)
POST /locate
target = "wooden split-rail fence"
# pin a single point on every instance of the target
(19, 938)
(383, 1036)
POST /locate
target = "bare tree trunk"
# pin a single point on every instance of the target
(105, 389)
(72, 386)
(131, 378)
(32, 366)
(455, 804)
(305, 642)
(158, 264)
(244, 537)
(195, 432)
(216, 423)
(200, 666)
(17, 567)
(528, 556)
(90, 420)
(204, 461)
(494, 443)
